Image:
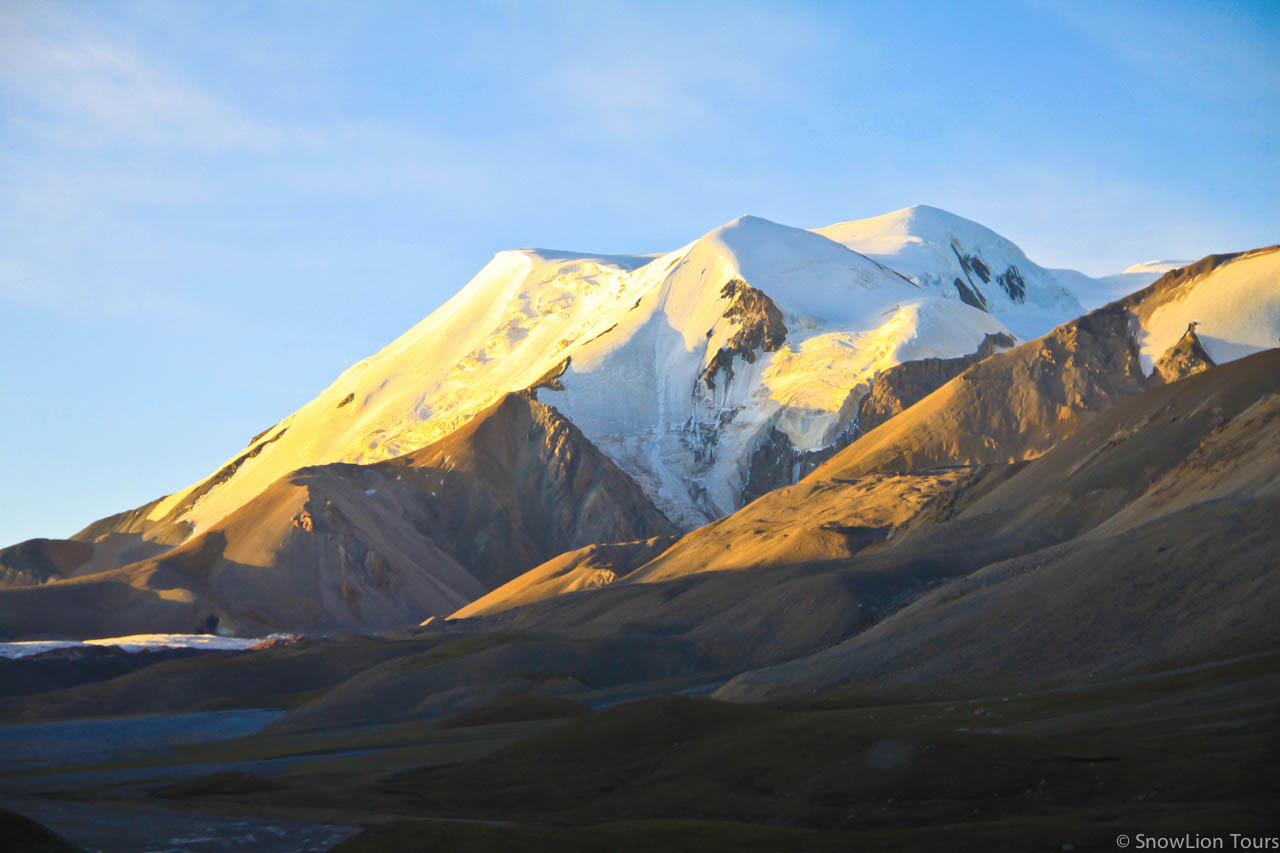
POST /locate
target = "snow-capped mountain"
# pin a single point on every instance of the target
(755, 326)
(960, 259)
(679, 365)
(674, 365)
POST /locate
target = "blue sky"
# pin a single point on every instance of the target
(207, 211)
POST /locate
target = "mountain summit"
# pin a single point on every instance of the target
(747, 349)
(958, 257)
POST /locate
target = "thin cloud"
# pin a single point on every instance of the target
(73, 89)
(641, 78)
(1215, 49)
(631, 100)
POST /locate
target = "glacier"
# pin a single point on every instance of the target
(678, 364)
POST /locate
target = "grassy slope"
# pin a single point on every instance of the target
(1170, 752)
(1193, 749)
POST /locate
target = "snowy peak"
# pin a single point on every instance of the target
(680, 366)
(753, 327)
(808, 275)
(960, 259)
(917, 236)
(914, 224)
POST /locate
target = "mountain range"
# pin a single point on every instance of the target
(785, 539)
(764, 397)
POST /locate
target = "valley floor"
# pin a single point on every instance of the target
(1186, 750)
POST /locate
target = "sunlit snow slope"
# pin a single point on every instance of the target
(673, 365)
(677, 365)
(1236, 309)
(960, 259)
(647, 392)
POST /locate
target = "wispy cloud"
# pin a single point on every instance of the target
(630, 100)
(72, 88)
(643, 78)
(1215, 49)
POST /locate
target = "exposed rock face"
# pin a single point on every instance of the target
(1010, 280)
(279, 641)
(904, 385)
(551, 379)
(776, 462)
(969, 295)
(1185, 358)
(760, 328)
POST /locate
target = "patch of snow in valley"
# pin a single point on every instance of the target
(133, 643)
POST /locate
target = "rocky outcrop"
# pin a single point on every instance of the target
(970, 295)
(970, 292)
(776, 462)
(1011, 280)
(1013, 284)
(1185, 358)
(551, 379)
(903, 385)
(760, 328)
